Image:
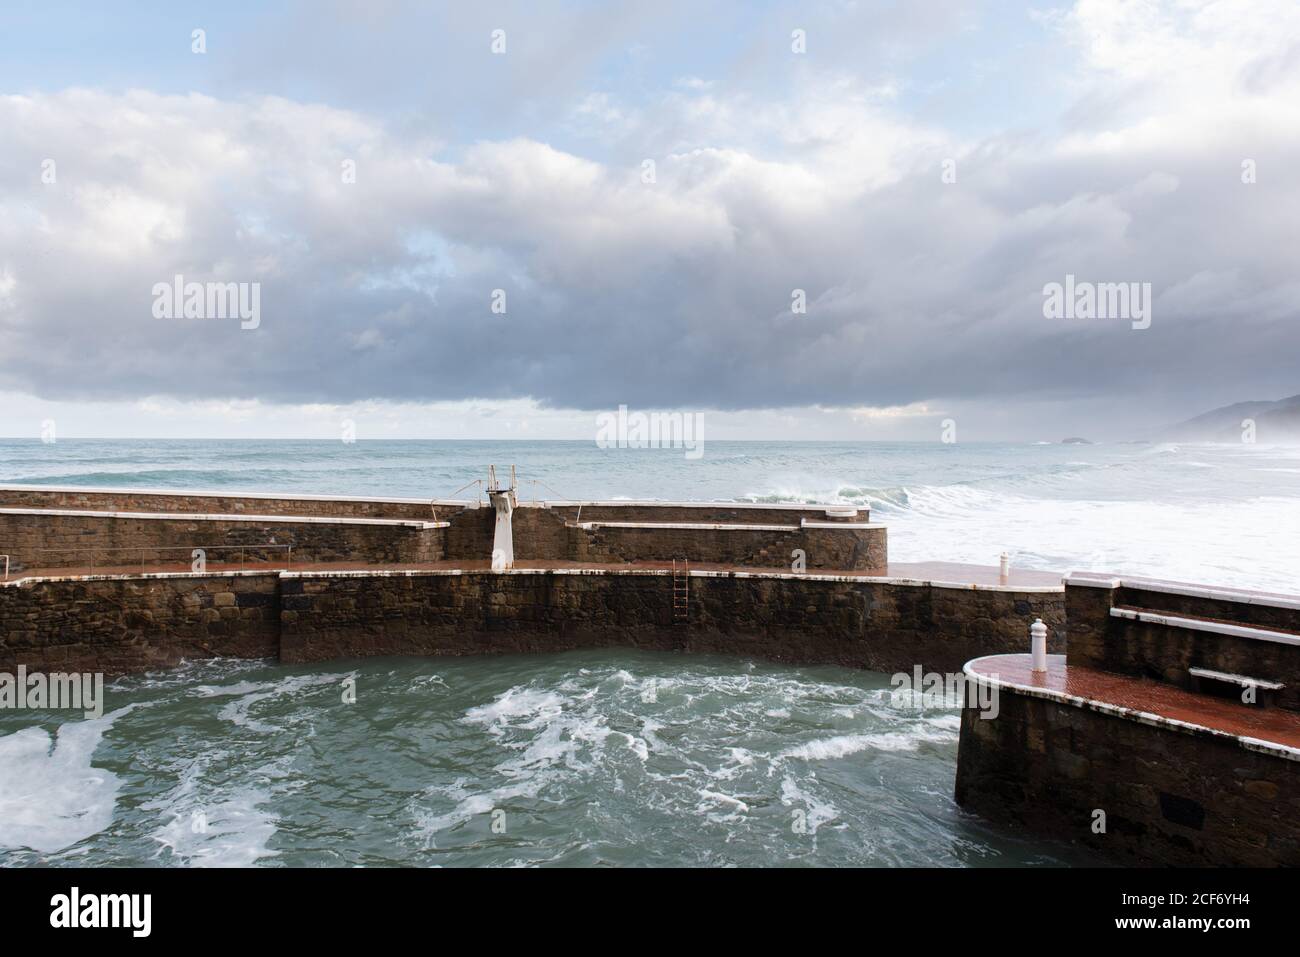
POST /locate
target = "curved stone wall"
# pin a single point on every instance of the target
(130, 623)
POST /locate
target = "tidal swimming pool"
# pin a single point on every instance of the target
(610, 757)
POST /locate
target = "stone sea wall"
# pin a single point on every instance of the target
(766, 536)
(125, 624)
(51, 540)
(133, 501)
(1168, 797)
(1166, 652)
(850, 548)
(117, 500)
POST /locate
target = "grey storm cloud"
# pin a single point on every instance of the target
(676, 292)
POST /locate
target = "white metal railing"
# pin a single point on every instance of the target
(478, 497)
(559, 496)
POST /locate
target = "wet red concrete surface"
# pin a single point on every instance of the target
(924, 571)
(1154, 697)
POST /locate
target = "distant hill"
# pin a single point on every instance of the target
(1275, 422)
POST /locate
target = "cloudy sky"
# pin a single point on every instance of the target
(648, 184)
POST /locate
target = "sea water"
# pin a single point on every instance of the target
(610, 757)
(605, 757)
(1223, 514)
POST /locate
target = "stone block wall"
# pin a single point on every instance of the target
(1165, 653)
(864, 624)
(847, 549)
(79, 541)
(288, 504)
(1169, 798)
(541, 532)
(142, 501)
(469, 534)
(132, 623)
(859, 549)
(125, 625)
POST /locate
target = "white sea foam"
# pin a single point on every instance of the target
(468, 805)
(712, 800)
(638, 746)
(817, 812)
(207, 823)
(221, 691)
(232, 832)
(543, 730)
(1140, 510)
(841, 746)
(948, 722)
(1137, 537)
(51, 794)
(250, 694)
(515, 703)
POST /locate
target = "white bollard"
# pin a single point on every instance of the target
(1038, 644)
(1004, 571)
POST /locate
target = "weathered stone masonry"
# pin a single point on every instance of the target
(1193, 775)
(122, 624)
(50, 539)
(1163, 653)
(1169, 797)
(408, 577)
(883, 625)
(66, 528)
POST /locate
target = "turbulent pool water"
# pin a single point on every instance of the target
(582, 758)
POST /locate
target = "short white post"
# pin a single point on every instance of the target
(1004, 571)
(1038, 644)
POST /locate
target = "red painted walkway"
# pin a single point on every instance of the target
(1153, 697)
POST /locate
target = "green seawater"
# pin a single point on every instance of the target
(604, 758)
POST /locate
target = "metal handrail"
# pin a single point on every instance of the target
(561, 496)
(479, 497)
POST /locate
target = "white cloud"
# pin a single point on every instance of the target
(922, 294)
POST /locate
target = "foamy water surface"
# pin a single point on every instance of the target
(609, 757)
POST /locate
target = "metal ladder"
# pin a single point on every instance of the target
(681, 591)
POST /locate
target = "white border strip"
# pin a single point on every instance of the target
(693, 526)
(418, 572)
(814, 523)
(1241, 595)
(1244, 681)
(728, 526)
(694, 572)
(1213, 627)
